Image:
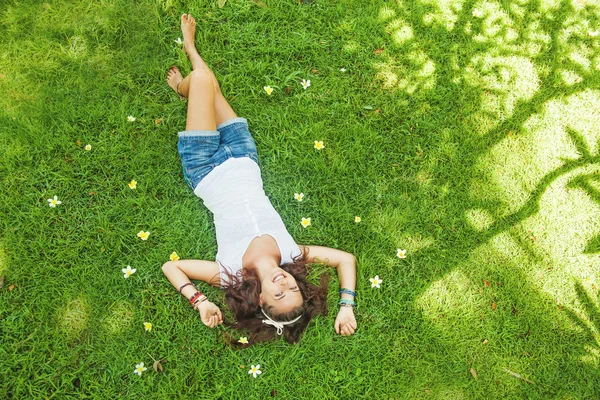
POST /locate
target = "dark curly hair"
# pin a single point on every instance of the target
(242, 297)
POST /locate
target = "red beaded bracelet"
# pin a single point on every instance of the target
(195, 297)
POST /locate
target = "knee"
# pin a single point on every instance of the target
(167, 266)
(203, 77)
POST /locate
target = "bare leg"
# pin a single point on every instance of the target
(201, 102)
(222, 109)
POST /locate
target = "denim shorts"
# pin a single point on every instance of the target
(202, 151)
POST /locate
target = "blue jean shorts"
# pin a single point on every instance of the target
(202, 151)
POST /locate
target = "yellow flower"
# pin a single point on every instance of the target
(132, 184)
(243, 340)
(305, 222)
(88, 147)
(147, 326)
(357, 219)
(268, 89)
(174, 256)
(143, 235)
(401, 253)
(299, 197)
(376, 282)
(319, 145)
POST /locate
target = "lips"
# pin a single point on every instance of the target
(278, 277)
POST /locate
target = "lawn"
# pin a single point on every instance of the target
(465, 132)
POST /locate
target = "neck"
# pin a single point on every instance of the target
(264, 266)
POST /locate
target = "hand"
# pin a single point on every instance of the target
(210, 314)
(345, 323)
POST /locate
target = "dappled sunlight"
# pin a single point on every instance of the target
(445, 12)
(505, 81)
(518, 163)
(400, 31)
(414, 72)
(479, 219)
(75, 47)
(3, 260)
(535, 180)
(119, 317)
(73, 317)
(451, 301)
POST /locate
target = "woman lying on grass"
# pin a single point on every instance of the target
(258, 264)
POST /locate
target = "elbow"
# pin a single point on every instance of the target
(351, 259)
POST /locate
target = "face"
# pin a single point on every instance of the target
(280, 291)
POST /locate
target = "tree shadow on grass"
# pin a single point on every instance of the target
(553, 63)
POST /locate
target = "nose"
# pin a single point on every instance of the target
(284, 283)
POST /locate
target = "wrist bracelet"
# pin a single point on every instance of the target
(195, 297)
(347, 303)
(199, 301)
(347, 291)
(184, 285)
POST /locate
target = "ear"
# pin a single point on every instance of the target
(260, 300)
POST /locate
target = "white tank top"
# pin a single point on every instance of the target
(233, 192)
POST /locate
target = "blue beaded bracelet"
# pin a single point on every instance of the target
(347, 291)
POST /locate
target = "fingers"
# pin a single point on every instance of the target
(214, 320)
(337, 326)
(346, 329)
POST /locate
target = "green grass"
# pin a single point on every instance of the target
(470, 141)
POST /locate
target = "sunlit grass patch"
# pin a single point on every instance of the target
(74, 317)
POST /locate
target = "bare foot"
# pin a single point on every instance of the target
(174, 77)
(188, 29)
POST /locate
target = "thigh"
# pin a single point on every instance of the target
(201, 102)
(223, 111)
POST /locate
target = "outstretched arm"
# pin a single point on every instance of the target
(345, 263)
(179, 274)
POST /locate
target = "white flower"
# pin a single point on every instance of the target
(305, 222)
(147, 326)
(179, 41)
(299, 197)
(88, 147)
(128, 271)
(130, 118)
(305, 83)
(342, 69)
(401, 253)
(139, 369)
(244, 340)
(255, 370)
(268, 89)
(376, 282)
(357, 219)
(594, 33)
(477, 14)
(54, 202)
